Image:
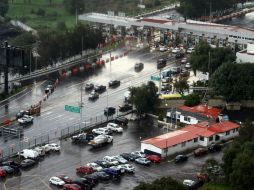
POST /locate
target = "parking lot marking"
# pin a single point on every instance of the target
(45, 183)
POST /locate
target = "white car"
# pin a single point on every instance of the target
(139, 153)
(56, 181)
(101, 131)
(95, 167)
(190, 50)
(184, 60)
(176, 50)
(129, 168)
(188, 66)
(120, 159)
(111, 160)
(188, 182)
(26, 119)
(52, 146)
(114, 127)
(163, 48)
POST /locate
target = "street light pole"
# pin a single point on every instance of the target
(81, 103)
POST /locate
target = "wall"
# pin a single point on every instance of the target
(192, 120)
(150, 147)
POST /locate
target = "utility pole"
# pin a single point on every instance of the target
(81, 103)
(6, 68)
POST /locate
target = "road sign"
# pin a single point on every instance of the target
(72, 109)
(155, 78)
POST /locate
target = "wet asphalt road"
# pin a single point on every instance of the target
(53, 117)
(74, 155)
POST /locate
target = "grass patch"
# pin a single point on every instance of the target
(30, 15)
(211, 186)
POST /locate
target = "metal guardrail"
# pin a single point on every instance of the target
(55, 135)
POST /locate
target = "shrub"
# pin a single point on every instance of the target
(192, 100)
(41, 12)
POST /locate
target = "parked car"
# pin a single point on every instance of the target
(72, 187)
(108, 111)
(176, 50)
(214, 148)
(93, 96)
(100, 88)
(111, 160)
(179, 55)
(84, 170)
(114, 127)
(12, 164)
(163, 49)
(125, 107)
(21, 114)
(102, 176)
(121, 121)
(101, 131)
(2, 172)
(92, 179)
(161, 63)
(83, 183)
(200, 152)
(95, 167)
(188, 66)
(56, 181)
(184, 60)
(190, 50)
(188, 183)
(53, 147)
(26, 119)
(181, 158)
(114, 83)
(184, 72)
(28, 153)
(65, 178)
(143, 161)
(112, 172)
(129, 156)
(202, 176)
(154, 158)
(89, 86)
(175, 70)
(103, 163)
(27, 163)
(139, 66)
(119, 169)
(139, 154)
(120, 159)
(82, 137)
(128, 168)
(8, 169)
(192, 185)
(40, 150)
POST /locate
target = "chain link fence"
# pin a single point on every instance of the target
(55, 135)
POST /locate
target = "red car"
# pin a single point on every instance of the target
(65, 178)
(84, 170)
(71, 187)
(154, 158)
(2, 172)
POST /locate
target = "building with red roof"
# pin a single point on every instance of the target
(189, 137)
(195, 114)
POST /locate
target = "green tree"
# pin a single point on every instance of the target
(181, 85)
(192, 100)
(200, 58)
(164, 183)
(4, 7)
(144, 97)
(74, 5)
(234, 81)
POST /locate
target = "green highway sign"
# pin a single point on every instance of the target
(72, 109)
(156, 78)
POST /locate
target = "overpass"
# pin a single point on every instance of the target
(189, 29)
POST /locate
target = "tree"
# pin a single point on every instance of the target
(74, 5)
(246, 132)
(164, 183)
(200, 58)
(4, 7)
(144, 97)
(181, 85)
(192, 100)
(234, 81)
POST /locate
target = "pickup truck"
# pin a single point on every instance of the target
(26, 119)
(101, 140)
(82, 138)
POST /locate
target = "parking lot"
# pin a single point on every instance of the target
(73, 155)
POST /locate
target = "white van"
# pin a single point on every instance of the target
(27, 153)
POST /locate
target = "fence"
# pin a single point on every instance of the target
(55, 135)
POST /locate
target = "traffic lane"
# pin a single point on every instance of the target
(24, 101)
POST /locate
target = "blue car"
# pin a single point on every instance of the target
(115, 174)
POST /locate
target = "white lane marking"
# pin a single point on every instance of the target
(47, 113)
(53, 118)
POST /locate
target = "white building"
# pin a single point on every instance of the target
(247, 55)
(193, 115)
(190, 137)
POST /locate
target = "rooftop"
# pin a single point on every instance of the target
(190, 132)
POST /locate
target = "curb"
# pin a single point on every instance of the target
(14, 95)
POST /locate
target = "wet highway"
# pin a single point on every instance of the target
(73, 155)
(54, 117)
